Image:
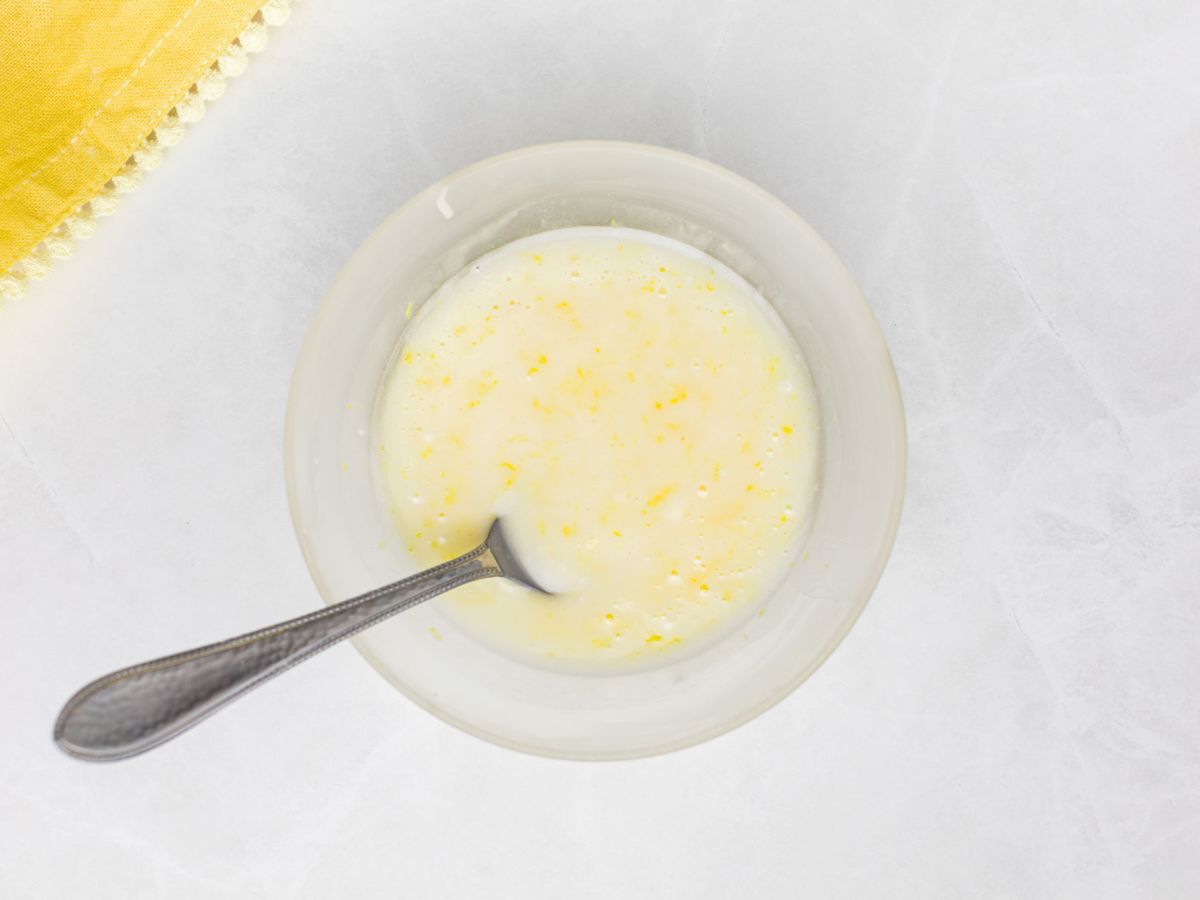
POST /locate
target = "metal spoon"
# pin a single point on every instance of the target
(135, 709)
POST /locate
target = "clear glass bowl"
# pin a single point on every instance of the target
(351, 545)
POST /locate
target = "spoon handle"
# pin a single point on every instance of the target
(135, 709)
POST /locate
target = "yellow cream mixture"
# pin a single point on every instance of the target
(638, 415)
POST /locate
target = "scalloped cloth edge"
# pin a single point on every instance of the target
(40, 223)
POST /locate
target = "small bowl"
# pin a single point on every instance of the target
(351, 544)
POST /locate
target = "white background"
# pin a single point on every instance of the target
(1017, 188)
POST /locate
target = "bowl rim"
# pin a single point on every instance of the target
(854, 294)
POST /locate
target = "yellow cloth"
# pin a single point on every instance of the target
(82, 84)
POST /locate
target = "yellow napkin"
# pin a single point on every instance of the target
(91, 91)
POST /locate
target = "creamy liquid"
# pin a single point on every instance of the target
(638, 415)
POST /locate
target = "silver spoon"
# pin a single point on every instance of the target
(134, 710)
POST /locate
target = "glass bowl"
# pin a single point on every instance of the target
(351, 545)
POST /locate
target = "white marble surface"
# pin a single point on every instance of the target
(1017, 187)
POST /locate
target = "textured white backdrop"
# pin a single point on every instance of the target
(1016, 186)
